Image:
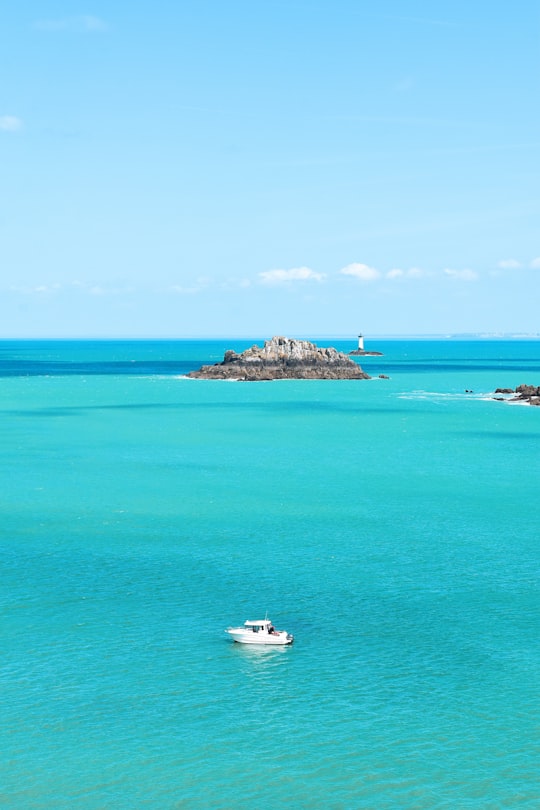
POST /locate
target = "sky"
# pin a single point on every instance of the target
(191, 168)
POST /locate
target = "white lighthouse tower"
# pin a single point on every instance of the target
(360, 343)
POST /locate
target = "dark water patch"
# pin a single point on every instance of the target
(506, 435)
(61, 368)
(304, 407)
(75, 410)
(44, 412)
(29, 368)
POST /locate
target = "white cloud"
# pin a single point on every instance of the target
(287, 276)
(10, 123)
(509, 264)
(461, 275)
(536, 262)
(82, 23)
(179, 289)
(79, 287)
(362, 272)
(416, 272)
(99, 290)
(412, 272)
(197, 286)
(36, 289)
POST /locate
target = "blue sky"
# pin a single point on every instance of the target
(238, 168)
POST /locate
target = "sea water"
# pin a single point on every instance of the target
(391, 525)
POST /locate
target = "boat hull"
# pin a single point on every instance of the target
(242, 637)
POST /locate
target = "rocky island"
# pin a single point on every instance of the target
(527, 394)
(283, 358)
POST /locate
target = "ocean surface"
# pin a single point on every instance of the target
(391, 525)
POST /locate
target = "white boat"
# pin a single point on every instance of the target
(261, 632)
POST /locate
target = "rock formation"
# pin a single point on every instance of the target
(283, 359)
(523, 393)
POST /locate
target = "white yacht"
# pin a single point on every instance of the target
(260, 632)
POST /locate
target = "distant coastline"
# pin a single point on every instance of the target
(324, 338)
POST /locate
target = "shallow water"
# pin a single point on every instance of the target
(391, 525)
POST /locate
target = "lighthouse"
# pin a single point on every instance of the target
(361, 352)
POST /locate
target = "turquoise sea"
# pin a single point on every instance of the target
(391, 525)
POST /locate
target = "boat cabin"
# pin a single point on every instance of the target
(262, 626)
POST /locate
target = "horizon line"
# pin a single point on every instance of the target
(296, 336)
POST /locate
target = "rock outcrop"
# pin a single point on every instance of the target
(283, 359)
(523, 393)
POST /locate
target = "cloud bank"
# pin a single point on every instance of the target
(295, 277)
